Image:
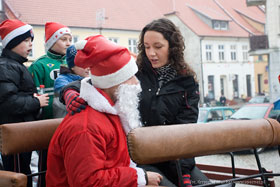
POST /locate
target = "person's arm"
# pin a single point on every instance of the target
(70, 96)
(11, 99)
(75, 85)
(60, 82)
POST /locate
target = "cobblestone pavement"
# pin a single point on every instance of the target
(270, 160)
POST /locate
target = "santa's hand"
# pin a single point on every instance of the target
(74, 103)
(153, 178)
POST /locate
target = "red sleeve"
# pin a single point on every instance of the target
(84, 160)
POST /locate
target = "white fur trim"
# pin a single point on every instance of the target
(94, 98)
(53, 39)
(80, 44)
(16, 32)
(141, 180)
(122, 75)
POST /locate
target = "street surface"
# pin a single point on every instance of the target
(270, 160)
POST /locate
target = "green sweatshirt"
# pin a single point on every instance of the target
(44, 71)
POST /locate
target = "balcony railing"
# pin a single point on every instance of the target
(258, 42)
(255, 2)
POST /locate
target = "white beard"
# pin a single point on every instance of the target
(127, 106)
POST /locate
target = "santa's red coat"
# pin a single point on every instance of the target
(89, 149)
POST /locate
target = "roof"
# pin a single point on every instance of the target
(211, 13)
(122, 14)
(134, 15)
(216, 108)
(220, 10)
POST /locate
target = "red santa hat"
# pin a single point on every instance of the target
(14, 32)
(53, 31)
(109, 63)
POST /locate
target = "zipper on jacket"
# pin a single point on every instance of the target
(158, 90)
(187, 103)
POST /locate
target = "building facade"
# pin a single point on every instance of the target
(216, 33)
(271, 51)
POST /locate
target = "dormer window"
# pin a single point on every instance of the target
(220, 25)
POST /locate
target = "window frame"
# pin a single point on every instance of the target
(114, 39)
(233, 53)
(221, 52)
(132, 46)
(75, 38)
(245, 53)
(208, 52)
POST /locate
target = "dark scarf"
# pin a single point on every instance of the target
(165, 74)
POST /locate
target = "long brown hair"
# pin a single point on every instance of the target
(176, 45)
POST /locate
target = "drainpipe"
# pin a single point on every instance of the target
(201, 70)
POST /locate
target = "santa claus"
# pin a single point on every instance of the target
(89, 148)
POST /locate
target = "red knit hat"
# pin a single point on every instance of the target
(110, 64)
(53, 31)
(14, 32)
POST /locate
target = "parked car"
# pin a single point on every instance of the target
(259, 99)
(208, 114)
(256, 111)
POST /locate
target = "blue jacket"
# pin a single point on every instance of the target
(65, 78)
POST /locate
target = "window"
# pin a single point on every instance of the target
(245, 52)
(208, 49)
(115, 40)
(211, 90)
(75, 38)
(220, 25)
(1, 6)
(235, 86)
(215, 115)
(228, 113)
(132, 45)
(224, 25)
(216, 25)
(233, 52)
(260, 58)
(221, 52)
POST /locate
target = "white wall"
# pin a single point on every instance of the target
(192, 50)
(273, 32)
(227, 68)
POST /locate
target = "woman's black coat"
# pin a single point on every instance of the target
(176, 102)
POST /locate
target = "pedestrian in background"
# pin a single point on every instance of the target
(19, 101)
(223, 100)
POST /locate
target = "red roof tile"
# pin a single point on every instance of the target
(134, 15)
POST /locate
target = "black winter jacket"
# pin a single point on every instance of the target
(17, 103)
(176, 102)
